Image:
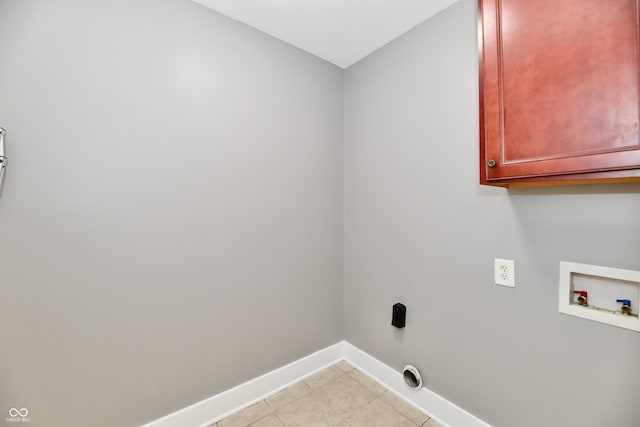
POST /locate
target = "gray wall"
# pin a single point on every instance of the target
(171, 220)
(419, 229)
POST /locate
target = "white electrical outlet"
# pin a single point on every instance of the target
(505, 272)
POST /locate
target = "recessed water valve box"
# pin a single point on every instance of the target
(602, 294)
(399, 316)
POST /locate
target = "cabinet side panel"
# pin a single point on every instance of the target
(490, 84)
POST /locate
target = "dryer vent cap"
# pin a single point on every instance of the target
(412, 377)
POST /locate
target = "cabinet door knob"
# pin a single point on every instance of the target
(491, 163)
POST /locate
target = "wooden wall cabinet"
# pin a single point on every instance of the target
(559, 91)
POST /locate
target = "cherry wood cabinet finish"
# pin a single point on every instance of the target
(559, 91)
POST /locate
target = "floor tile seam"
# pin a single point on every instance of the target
(274, 410)
(350, 369)
(312, 392)
(344, 417)
(393, 410)
(358, 410)
(342, 373)
(372, 379)
(280, 419)
(262, 417)
(329, 406)
(405, 417)
(402, 398)
(392, 393)
(401, 414)
(290, 403)
(370, 392)
(326, 419)
(425, 421)
(274, 413)
(358, 382)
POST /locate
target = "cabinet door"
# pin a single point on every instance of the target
(559, 91)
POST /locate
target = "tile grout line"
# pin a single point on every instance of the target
(385, 391)
(340, 373)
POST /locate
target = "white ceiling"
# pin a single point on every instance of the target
(340, 31)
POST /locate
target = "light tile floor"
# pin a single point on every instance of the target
(339, 396)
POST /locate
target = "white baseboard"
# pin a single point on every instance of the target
(215, 408)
